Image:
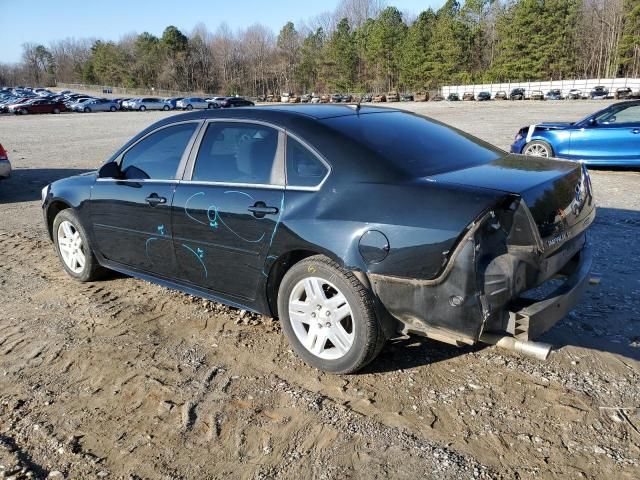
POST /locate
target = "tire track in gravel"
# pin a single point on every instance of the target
(132, 360)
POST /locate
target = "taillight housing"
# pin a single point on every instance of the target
(3, 153)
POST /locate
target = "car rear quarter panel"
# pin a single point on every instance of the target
(421, 221)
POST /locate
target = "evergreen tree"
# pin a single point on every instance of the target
(629, 45)
(341, 58)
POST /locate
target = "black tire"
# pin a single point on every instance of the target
(87, 110)
(56, 111)
(165, 108)
(112, 108)
(92, 269)
(142, 108)
(538, 145)
(210, 106)
(189, 107)
(368, 335)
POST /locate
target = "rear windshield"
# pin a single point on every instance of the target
(417, 145)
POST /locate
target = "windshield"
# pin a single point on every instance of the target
(417, 145)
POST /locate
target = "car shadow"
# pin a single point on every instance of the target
(414, 351)
(607, 319)
(25, 184)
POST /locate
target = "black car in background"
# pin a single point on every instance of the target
(230, 102)
(351, 224)
(453, 97)
(599, 93)
(517, 94)
(484, 96)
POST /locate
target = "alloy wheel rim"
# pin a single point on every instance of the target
(321, 318)
(71, 247)
(537, 150)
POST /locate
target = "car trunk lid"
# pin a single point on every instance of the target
(558, 193)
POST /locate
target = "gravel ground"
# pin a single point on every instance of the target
(125, 379)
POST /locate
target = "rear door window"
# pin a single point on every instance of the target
(158, 155)
(238, 153)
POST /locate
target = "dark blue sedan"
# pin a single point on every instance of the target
(608, 137)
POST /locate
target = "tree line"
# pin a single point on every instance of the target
(363, 46)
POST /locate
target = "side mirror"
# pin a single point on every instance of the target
(109, 170)
(592, 122)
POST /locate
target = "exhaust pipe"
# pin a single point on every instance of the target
(537, 350)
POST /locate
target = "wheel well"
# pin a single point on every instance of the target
(52, 212)
(277, 272)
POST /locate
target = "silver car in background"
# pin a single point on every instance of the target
(96, 105)
(194, 102)
(148, 103)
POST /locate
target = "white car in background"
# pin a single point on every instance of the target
(194, 102)
(148, 103)
(5, 164)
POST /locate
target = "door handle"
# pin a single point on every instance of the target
(260, 209)
(635, 131)
(154, 200)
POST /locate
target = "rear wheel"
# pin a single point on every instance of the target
(142, 108)
(87, 110)
(112, 108)
(165, 108)
(328, 316)
(73, 247)
(538, 148)
(189, 107)
(56, 111)
(210, 106)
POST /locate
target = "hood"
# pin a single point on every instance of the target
(558, 193)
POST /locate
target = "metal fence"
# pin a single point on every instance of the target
(564, 85)
(129, 92)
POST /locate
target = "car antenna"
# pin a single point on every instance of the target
(357, 105)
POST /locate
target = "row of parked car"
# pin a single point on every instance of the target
(597, 93)
(25, 100)
(344, 98)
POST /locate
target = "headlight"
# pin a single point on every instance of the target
(44, 193)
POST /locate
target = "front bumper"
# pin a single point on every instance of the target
(5, 168)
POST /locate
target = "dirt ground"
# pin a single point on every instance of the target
(124, 379)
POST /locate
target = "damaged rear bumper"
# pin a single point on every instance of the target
(454, 311)
(528, 319)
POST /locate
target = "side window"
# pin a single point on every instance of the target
(304, 168)
(628, 115)
(238, 153)
(158, 155)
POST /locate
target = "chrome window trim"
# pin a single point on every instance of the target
(266, 186)
(279, 162)
(133, 180)
(317, 154)
(183, 159)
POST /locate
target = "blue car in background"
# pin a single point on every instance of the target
(610, 137)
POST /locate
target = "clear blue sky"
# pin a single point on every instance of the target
(110, 19)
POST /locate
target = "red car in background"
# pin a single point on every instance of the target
(37, 106)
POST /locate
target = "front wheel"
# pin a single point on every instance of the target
(112, 108)
(73, 247)
(142, 108)
(165, 108)
(328, 316)
(189, 107)
(538, 148)
(56, 111)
